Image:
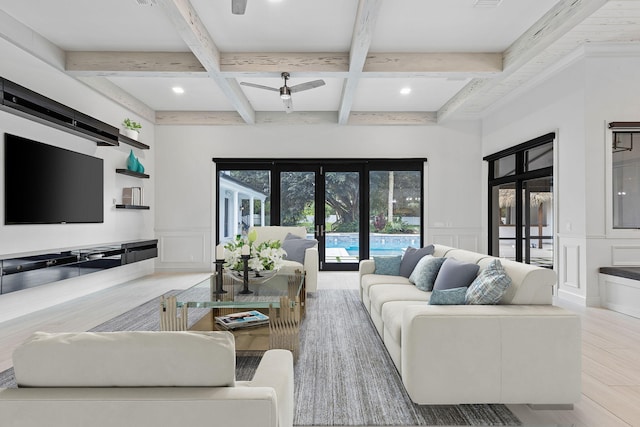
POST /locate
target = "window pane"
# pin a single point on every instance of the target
(244, 201)
(539, 157)
(297, 199)
(626, 181)
(504, 166)
(394, 211)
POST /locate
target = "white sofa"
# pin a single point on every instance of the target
(311, 257)
(144, 379)
(522, 351)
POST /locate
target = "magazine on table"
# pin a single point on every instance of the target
(242, 319)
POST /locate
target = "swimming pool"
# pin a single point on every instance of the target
(380, 244)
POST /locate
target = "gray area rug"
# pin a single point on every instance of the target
(344, 375)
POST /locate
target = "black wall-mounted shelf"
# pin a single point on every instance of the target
(132, 173)
(132, 207)
(129, 141)
(28, 271)
(26, 103)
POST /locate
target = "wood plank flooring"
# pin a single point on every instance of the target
(610, 360)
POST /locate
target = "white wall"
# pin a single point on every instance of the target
(185, 201)
(597, 86)
(119, 225)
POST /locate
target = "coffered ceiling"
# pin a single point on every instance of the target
(457, 58)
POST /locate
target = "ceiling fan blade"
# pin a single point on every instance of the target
(306, 86)
(238, 6)
(288, 105)
(260, 86)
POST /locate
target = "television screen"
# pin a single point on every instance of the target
(44, 184)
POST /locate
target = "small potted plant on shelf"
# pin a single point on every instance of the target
(131, 128)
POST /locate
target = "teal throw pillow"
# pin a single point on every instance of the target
(452, 296)
(411, 257)
(426, 271)
(490, 285)
(455, 274)
(388, 265)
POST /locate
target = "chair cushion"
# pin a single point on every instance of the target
(126, 359)
(411, 257)
(295, 247)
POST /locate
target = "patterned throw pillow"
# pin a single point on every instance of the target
(388, 265)
(452, 296)
(411, 258)
(425, 273)
(455, 274)
(490, 285)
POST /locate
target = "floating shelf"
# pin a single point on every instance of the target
(131, 207)
(132, 173)
(126, 140)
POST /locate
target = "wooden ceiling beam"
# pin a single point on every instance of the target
(127, 64)
(188, 24)
(364, 25)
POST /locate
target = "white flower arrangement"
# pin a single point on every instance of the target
(264, 256)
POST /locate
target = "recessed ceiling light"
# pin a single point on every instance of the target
(405, 90)
(178, 90)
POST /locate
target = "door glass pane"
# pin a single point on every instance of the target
(394, 211)
(504, 220)
(342, 217)
(244, 201)
(539, 157)
(539, 221)
(297, 199)
(626, 180)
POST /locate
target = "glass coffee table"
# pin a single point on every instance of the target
(281, 298)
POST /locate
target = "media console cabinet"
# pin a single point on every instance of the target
(34, 269)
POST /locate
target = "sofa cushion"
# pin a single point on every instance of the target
(387, 265)
(455, 274)
(381, 294)
(411, 257)
(490, 285)
(126, 359)
(451, 296)
(392, 318)
(369, 280)
(295, 247)
(529, 284)
(425, 273)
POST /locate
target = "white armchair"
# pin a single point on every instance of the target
(311, 263)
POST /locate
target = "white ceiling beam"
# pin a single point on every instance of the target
(360, 42)
(558, 21)
(392, 118)
(336, 65)
(198, 118)
(195, 35)
(28, 40)
(131, 64)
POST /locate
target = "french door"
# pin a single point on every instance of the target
(354, 208)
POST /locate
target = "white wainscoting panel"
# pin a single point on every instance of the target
(462, 238)
(625, 256)
(184, 249)
(620, 294)
(571, 267)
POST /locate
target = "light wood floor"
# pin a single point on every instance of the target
(610, 362)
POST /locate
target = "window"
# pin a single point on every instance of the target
(521, 202)
(625, 173)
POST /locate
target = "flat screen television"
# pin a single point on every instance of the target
(44, 184)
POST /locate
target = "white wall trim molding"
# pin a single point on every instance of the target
(571, 297)
(457, 237)
(571, 266)
(184, 249)
(620, 294)
(628, 255)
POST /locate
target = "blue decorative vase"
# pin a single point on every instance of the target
(140, 168)
(132, 162)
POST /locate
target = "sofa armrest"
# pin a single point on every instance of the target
(311, 267)
(484, 354)
(367, 266)
(276, 370)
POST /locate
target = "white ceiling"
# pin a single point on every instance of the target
(314, 39)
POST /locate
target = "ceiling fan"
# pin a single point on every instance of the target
(238, 6)
(286, 91)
